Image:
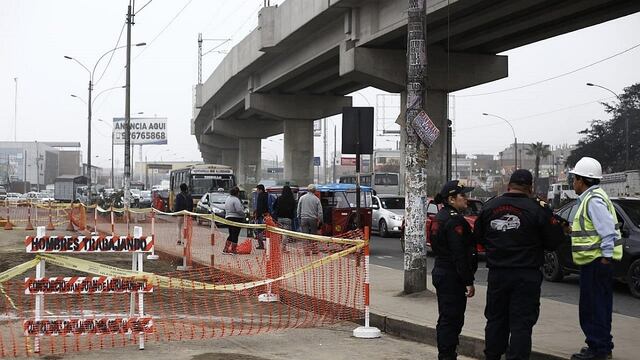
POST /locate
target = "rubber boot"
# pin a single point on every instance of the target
(227, 246)
(234, 248)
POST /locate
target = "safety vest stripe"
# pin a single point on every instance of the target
(595, 246)
(586, 233)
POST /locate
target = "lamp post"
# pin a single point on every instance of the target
(515, 139)
(89, 103)
(626, 125)
(112, 157)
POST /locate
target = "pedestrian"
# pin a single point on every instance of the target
(285, 211)
(310, 214)
(455, 265)
(182, 201)
(234, 211)
(515, 230)
(595, 244)
(262, 209)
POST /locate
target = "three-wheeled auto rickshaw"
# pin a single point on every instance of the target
(339, 209)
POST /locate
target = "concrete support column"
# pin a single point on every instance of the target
(437, 164)
(229, 157)
(298, 151)
(249, 160)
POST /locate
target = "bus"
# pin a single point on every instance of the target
(383, 182)
(201, 179)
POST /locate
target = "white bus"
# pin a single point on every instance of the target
(383, 182)
(201, 179)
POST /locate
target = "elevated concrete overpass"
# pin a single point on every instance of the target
(306, 56)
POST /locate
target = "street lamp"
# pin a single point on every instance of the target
(515, 139)
(626, 125)
(89, 103)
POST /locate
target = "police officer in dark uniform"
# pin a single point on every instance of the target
(515, 230)
(455, 264)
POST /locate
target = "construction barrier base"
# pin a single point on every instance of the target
(366, 332)
(269, 297)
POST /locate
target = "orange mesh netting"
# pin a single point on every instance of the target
(307, 280)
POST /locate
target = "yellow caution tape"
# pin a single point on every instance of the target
(168, 282)
(17, 270)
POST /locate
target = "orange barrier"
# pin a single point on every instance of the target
(265, 290)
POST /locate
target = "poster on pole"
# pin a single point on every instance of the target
(144, 131)
(425, 128)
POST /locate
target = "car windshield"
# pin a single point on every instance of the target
(218, 198)
(632, 209)
(395, 203)
(145, 193)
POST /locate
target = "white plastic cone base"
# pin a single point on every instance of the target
(183, 268)
(153, 257)
(366, 332)
(268, 297)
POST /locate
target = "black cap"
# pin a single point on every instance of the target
(453, 188)
(521, 177)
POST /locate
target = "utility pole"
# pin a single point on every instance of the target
(324, 154)
(89, 138)
(415, 256)
(335, 151)
(15, 112)
(199, 58)
(127, 114)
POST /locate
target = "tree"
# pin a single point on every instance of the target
(605, 139)
(540, 151)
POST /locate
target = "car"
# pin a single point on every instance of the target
(505, 223)
(559, 263)
(145, 199)
(211, 203)
(3, 193)
(13, 197)
(388, 214)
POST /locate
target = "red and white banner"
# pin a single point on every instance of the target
(85, 285)
(71, 244)
(102, 326)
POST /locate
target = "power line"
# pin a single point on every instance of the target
(164, 28)
(536, 115)
(553, 77)
(112, 54)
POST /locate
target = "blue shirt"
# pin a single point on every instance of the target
(603, 221)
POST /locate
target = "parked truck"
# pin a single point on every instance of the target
(559, 193)
(622, 184)
(66, 187)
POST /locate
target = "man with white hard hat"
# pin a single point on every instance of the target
(595, 242)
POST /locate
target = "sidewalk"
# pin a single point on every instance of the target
(557, 334)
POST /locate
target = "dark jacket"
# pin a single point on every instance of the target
(262, 204)
(285, 207)
(515, 230)
(183, 202)
(453, 244)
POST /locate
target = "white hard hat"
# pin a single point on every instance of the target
(588, 167)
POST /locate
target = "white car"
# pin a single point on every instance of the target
(506, 222)
(13, 197)
(388, 213)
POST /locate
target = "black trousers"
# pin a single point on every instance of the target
(234, 231)
(596, 304)
(452, 303)
(513, 307)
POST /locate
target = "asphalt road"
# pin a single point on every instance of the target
(387, 252)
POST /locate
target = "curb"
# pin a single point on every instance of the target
(469, 346)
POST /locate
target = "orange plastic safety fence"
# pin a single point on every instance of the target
(314, 283)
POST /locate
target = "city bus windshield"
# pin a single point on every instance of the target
(201, 184)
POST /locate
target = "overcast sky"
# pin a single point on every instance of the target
(36, 34)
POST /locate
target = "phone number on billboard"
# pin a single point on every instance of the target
(148, 135)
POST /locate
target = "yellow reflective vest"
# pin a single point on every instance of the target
(585, 241)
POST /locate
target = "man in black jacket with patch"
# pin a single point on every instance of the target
(515, 230)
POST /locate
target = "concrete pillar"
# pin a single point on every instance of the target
(437, 164)
(229, 157)
(298, 151)
(249, 161)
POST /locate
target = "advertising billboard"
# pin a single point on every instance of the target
(144, 131)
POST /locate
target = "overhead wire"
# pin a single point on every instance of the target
(163, 29)
(112, 54)
(553, 77)
(538, 114)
